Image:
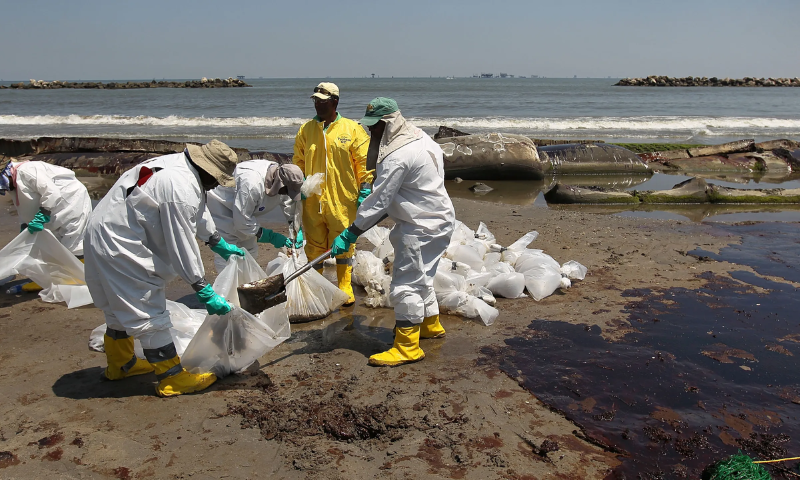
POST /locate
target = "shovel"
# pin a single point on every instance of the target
(264, 294)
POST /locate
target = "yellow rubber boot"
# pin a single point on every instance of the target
(431, 328)
(31, 287)
(344, 274)
(405, 349)
(122, 362)
(175, 380)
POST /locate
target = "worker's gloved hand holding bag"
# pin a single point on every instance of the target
(341, 244)
(37, 224)
(214, 302)
(274, 238)
(366, 189)
(222, 248)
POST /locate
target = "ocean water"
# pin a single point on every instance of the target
(267, 116)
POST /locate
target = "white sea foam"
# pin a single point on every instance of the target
(706, 125)
(649, 126)
(170, 121)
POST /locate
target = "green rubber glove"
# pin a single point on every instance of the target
(37, 224)
(362, 195)
(225, 249)
(276, 239)
(298, 241)
(215, 303)
(341, 244)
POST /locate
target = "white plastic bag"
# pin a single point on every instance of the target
(379, 237)
(466, 254)
(313, 185)
(368, 272)
(574, 270)
(533, 258)
(185, 323)
(452, 296)
(514, 250)
(542, 280)
(43, 259)
(507, 285)
(232, 342)
(310, 296)
(238, 271)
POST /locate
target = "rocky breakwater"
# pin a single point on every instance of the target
(662, 81)
(57, 84)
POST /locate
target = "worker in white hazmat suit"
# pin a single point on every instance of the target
(142, 235)
(409, 189)
(261, 186)
(48, 196)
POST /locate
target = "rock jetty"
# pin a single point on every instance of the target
(662, 81)
(202, 83)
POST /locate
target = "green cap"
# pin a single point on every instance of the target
(376, 110)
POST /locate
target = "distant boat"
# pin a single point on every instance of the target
(449, 78)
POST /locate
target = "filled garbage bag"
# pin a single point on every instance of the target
(513, 251)
(379, 237)
(185, 323)
(507, 285)
(43, 259)
(452, 296)
(369, 272)
(573, 270)
(310, 296)
(230, 343)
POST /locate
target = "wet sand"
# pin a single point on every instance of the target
(313, 408)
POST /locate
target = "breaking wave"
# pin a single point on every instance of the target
(170, 121)
(633, 126)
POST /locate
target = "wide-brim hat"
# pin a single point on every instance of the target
(217, 159)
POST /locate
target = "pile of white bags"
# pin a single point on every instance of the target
(473, 271)
(230, 343)
(43, 259)
(310, 296)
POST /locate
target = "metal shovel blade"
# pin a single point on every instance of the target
(258, 296)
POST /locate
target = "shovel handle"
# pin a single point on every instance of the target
(307, 267)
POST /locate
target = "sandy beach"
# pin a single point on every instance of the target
(313, 408)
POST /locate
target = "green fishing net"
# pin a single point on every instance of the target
(736, 467)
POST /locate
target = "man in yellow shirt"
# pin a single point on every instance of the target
(337, 147)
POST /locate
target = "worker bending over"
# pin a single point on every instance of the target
(48, 196)
(261, 185)
(141, 236)
(409, 188)
(337, 147)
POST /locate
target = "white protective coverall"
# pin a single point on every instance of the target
(409, 187)
(140, 238)
(238, 211)
(42, 185)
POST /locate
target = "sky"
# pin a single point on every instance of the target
(143, 39)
